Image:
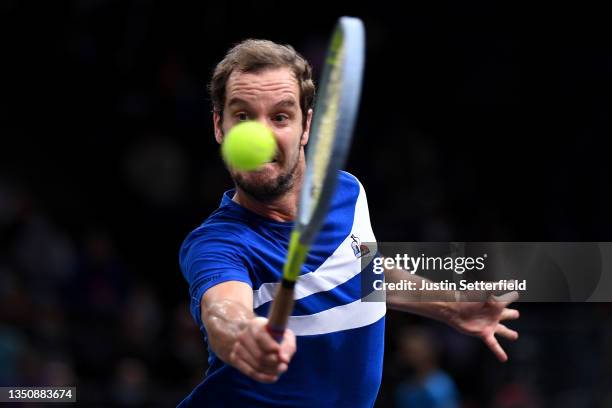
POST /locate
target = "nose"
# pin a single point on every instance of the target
(267, 122)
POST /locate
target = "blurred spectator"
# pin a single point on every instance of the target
(428, 386)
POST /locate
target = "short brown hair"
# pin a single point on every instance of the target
(256, 55)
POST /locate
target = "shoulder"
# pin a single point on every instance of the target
(221, 235)
(216, 235)
(228, 223)
(348, 188)
(348, 184)
(348, 179)
(215, 252)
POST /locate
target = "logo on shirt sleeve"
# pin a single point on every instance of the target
(359, 249)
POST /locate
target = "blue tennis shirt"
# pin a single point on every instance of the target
(338, 362)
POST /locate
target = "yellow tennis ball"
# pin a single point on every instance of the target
(248, 145)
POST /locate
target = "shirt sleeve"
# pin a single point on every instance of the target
(208, 258)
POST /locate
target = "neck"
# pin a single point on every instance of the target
(282, 208)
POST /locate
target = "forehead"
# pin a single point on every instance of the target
(273, 83)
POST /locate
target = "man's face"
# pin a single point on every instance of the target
(272, 97)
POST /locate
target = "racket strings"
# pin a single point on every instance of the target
(328, 122)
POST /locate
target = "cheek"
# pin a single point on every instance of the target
(289, 142)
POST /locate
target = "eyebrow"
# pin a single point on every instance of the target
(285, 103)
(236, 101)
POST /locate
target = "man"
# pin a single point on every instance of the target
(234, 259)
(428, 386)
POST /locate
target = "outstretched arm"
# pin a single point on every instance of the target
(239, 338)
(480, 319)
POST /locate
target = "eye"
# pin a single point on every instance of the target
(242, 116)
(280, 118)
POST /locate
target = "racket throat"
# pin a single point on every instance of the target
(296, 255)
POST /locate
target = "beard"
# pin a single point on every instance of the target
(268, 190)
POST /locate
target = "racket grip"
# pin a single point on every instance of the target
(281, 309)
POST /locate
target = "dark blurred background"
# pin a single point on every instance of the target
(478, 122)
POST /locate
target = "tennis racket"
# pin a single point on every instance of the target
(332, 128)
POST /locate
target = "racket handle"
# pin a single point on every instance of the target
(281, 309)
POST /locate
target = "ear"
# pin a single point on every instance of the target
(218, 127)
(306, 132)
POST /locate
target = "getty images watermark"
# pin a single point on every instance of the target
(539, 271)
(422, 263)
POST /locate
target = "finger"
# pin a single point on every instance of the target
(504, 331)
(265, 342)
(248, 340)
(493, 344)
(509, 314)
(245, 368)
(506, 298)
(268, 359)
(267, 363)
(288, 347)
(242, 353)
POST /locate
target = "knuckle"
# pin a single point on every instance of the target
(232, 358)
(258, 324)
(242, 337)
(260, 320)
(253, 330)
(256, 331)
(267, 359)
(258, 335)
(234, 351)
(238, 349)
